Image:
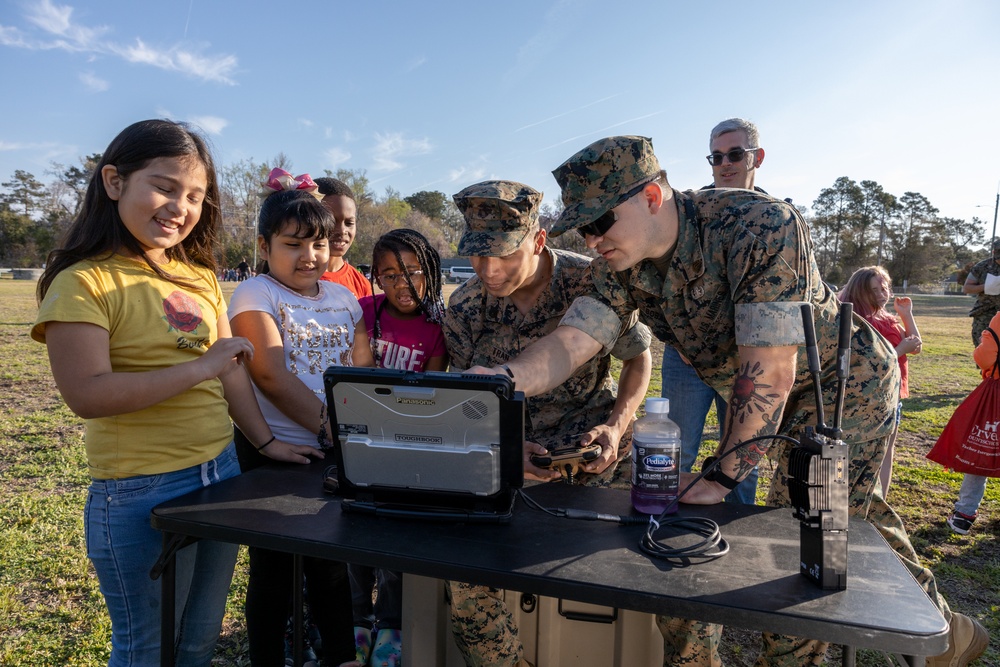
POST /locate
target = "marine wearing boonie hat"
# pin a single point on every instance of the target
(498, 216)
(598, 178)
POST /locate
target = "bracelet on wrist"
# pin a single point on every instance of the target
(273, 438)
(716, 475)
(324, 419)
(507, 370)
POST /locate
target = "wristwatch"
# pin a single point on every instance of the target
(716, 475)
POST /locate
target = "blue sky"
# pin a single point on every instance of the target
(440, 95)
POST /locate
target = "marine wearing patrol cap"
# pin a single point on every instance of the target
(498, 217)
(602, 176)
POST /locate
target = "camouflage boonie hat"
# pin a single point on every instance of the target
(498, 216)
(594, 180)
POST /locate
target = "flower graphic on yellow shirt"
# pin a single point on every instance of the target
(182, 312)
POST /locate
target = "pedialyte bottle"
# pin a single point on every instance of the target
(656, 459)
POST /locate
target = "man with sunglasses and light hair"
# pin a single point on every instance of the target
(521, 290)
(735, 155)
(721, 275)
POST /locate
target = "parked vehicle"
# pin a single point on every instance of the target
(459, 274)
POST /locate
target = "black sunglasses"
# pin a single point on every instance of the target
(735, 155)
(601, 225)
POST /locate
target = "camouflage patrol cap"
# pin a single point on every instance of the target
(596, 179)
(498, 216)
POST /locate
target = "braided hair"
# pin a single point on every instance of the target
(432, 303)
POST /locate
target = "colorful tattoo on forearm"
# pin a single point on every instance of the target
(750, 399)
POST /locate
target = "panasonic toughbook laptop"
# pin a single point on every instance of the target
(432, 445)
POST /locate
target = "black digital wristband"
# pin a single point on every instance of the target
(717, 475)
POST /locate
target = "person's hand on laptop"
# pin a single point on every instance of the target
(289, 453)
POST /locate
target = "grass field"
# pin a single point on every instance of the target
(52, 613)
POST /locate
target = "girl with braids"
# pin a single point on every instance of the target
(404, 323)
(404, 327)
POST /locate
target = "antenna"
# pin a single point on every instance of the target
(843, 364)
(812, 355)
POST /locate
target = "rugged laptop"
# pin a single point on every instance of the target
(432, 445)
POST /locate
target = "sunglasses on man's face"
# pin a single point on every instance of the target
(601, 225)
(735, 155)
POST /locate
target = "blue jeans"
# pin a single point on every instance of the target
(123, 548)
(971, 494)
(690, 400)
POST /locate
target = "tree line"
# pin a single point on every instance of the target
(852, 224)
(860, 224)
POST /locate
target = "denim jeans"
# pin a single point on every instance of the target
(971, 494)
(123, 548)
(690, 400)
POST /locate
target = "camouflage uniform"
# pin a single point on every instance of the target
(483, 330)
(986, 305)
(742, 264)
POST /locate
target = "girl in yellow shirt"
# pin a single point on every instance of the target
(140, 347)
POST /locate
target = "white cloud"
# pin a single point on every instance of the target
(57, 20)
(13, 37)
(211, 68)
(392, 147)
(334, 157)
(414, 64)
(60, 32)
(94, 82)
(210, 124)
(305, 122)
(466, 174)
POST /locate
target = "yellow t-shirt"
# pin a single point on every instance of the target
(153, 324)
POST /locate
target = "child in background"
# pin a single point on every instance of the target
(970, 495)
(299, 326)
(869, 290)
(140, 347)
(339, 200)
(404, 327)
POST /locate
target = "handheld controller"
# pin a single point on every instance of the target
(569, 461)
(818, 472)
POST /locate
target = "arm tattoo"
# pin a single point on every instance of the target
(750, 399)
(748, 393)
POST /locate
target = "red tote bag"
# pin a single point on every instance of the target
(970, 442)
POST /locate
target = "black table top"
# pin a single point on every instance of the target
(756, 586)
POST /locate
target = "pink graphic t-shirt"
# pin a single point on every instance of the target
(403, 344)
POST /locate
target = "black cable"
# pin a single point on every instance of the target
(711, 546)
(581, 515)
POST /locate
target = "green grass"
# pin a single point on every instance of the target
(52, 613)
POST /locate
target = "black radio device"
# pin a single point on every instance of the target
(818, 471)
